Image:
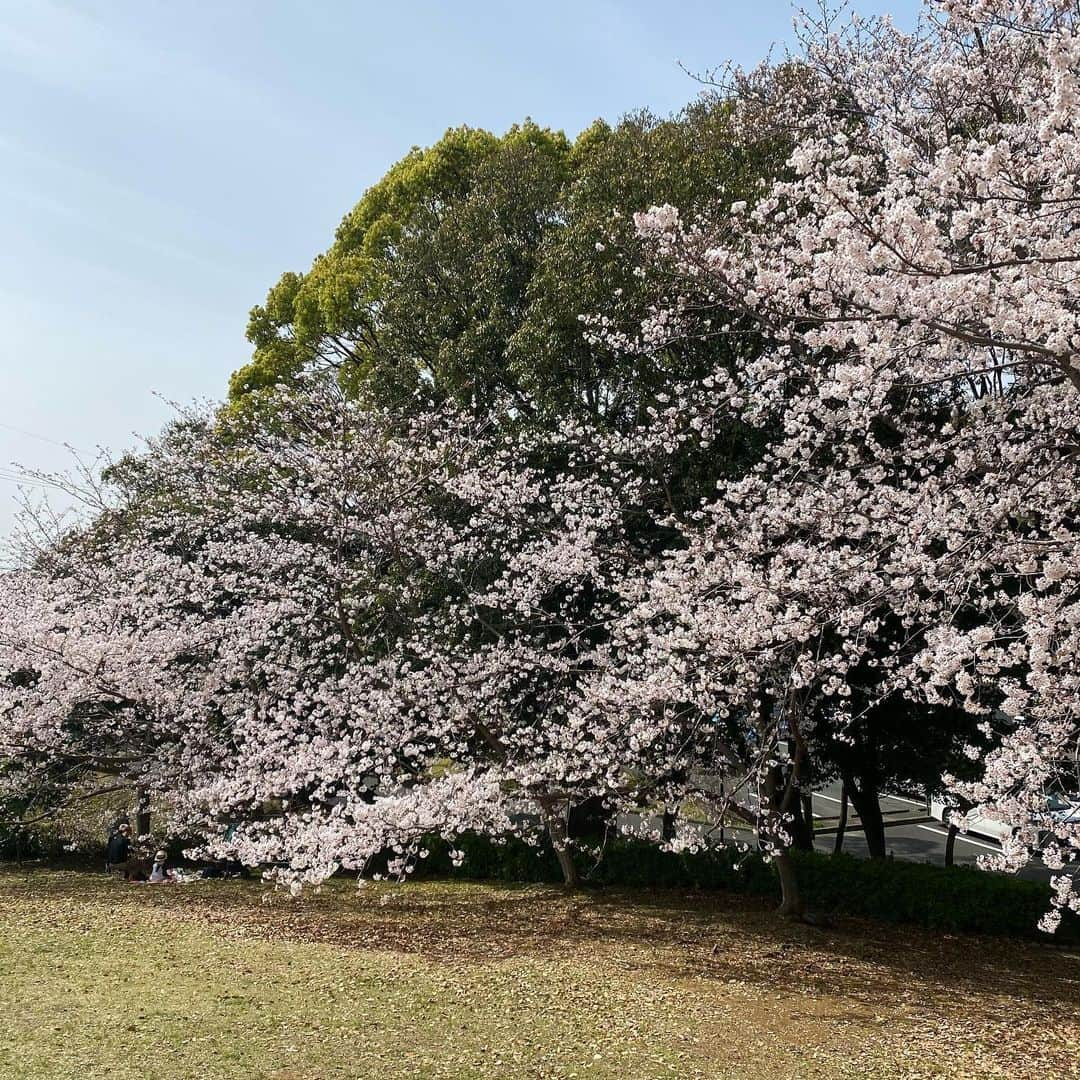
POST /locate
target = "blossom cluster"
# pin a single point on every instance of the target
(913, 279)
(320, 633)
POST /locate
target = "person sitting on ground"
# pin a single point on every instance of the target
(118, 851)
(159, 872)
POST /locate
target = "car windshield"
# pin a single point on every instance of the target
(1056, 802)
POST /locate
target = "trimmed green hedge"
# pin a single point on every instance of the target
(958, 899)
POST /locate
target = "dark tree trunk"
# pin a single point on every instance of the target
(864, 797)
(667, 824)
(142, 813)
(950, 845)
(841, 825)
(802, 824)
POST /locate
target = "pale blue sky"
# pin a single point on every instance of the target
(162, 163)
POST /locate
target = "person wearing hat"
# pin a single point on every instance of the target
(159, 872)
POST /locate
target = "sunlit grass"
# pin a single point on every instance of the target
(102, 979)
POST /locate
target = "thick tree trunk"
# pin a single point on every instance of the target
(841, 825)
(873, 825)
(864, 798)
(802, 824)
(791, 903)
(667, 824)
(555, 820)
(777, 790)
(566, 865)
(781, 806)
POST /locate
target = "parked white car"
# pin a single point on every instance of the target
(1061, 810)
(976, 823)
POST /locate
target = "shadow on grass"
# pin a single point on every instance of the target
(675, 934)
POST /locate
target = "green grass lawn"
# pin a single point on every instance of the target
(215, 980)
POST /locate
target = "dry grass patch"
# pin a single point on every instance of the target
(453, 980)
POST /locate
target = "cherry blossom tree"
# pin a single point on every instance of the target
(318, 632)
(223, 632)
(913, 279)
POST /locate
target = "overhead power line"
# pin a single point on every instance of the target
(29, 480)
(35, 435)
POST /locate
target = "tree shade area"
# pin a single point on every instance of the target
(452, 980)
(633, 484)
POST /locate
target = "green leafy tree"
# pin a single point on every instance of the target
(383, 300)
(465, 272)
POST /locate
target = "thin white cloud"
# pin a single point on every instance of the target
(74, 50)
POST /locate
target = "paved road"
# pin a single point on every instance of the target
(910, 833)
(905, 838)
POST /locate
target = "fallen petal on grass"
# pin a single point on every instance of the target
(459, 980)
